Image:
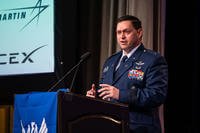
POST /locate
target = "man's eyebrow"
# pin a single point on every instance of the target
(127, 29)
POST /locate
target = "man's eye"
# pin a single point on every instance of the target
(127, 31)
(124, 32)
(119, 32)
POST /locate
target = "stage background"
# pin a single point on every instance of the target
(78, 30)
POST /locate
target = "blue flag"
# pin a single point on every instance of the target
(35, 113)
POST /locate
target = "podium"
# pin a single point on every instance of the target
(81, 114)
(65, 112)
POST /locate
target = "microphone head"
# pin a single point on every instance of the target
(85, 56)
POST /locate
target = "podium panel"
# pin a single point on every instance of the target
(81, 114)
(35, 112)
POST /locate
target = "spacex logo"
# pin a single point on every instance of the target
(14, 57)
(30, 13)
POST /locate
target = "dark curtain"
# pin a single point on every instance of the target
(89, 40)
(182, 53)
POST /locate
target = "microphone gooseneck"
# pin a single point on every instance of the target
(83, 58)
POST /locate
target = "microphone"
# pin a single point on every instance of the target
(83, 58)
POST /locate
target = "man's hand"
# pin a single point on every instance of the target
(108, 91)
(91, 92)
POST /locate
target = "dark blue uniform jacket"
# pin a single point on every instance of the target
(143, 86)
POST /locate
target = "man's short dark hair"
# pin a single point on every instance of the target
(135, 21)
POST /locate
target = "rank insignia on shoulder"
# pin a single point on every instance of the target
(105, 69)
(136, 74)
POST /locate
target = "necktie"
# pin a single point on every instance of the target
(120, 68)
(124, 58)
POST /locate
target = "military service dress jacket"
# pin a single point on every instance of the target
(142, 84)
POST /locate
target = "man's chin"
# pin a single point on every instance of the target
(127, 49)
(123, 46)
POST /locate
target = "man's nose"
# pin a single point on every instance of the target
(123, 35)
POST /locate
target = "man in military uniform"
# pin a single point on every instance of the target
(135, 76)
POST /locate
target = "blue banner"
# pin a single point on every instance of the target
(35, 113)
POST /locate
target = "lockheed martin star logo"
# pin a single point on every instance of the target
(35, 13)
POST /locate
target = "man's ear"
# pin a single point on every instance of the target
(140, 33)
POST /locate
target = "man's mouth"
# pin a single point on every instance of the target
(123, 42)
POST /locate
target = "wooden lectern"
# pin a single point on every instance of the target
(81, 114)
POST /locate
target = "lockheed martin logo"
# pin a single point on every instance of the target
(21, 13)
(14, 58)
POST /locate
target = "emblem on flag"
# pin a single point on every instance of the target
(33, 127)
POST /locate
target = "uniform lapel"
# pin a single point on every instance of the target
(109, 69)
(114, 64)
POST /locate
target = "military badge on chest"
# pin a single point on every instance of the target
(139, 64)
(136, 73)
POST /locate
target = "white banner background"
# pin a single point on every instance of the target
(27, 36)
